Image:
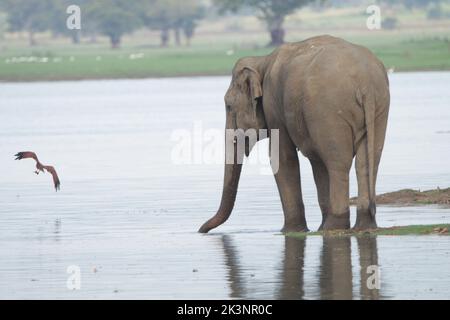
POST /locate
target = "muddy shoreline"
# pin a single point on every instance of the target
(410, 197)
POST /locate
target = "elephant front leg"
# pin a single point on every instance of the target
(288, 182)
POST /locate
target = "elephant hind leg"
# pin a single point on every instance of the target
(322, 181)
(339, 215)
(337, 163)
(333, 144)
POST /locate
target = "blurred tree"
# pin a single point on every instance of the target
(3, 24)
(437, 10)
(89, 24)
(58, 18)
(189, 19)
(189, 26)
(418, 3)
(412, 4)
(272, 12)
(176, 15)
(389, 23)
(114, 18)
(28, 15)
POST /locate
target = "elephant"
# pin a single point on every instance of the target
(329, 99)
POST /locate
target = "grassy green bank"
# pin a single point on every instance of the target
(438, 229)
(70, 62)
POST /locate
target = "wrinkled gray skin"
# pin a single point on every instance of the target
(329, 99)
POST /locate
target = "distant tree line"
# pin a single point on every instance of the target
(115, 18)
(112, 18)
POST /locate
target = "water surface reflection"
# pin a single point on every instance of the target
(335, 279)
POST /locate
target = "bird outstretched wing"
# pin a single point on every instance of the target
(56, 181)
(40, 166)
(25, 155)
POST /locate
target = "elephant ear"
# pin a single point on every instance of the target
(254, 84)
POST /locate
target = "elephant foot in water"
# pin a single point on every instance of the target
(294, 228)
(336, 222)
(365, 220)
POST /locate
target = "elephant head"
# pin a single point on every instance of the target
(244, 111)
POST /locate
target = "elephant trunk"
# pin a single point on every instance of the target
(230, 186)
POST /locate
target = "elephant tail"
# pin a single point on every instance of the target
(368, 104)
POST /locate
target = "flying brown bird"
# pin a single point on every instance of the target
(39, 166)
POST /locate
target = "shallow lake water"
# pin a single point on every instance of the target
(127, 212)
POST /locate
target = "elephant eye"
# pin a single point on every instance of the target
(228, 108)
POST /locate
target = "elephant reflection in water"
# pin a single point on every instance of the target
(335, 273)
(368, 256)
(336, 268)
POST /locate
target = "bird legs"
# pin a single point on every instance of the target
(38, 170)
(39, 167)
